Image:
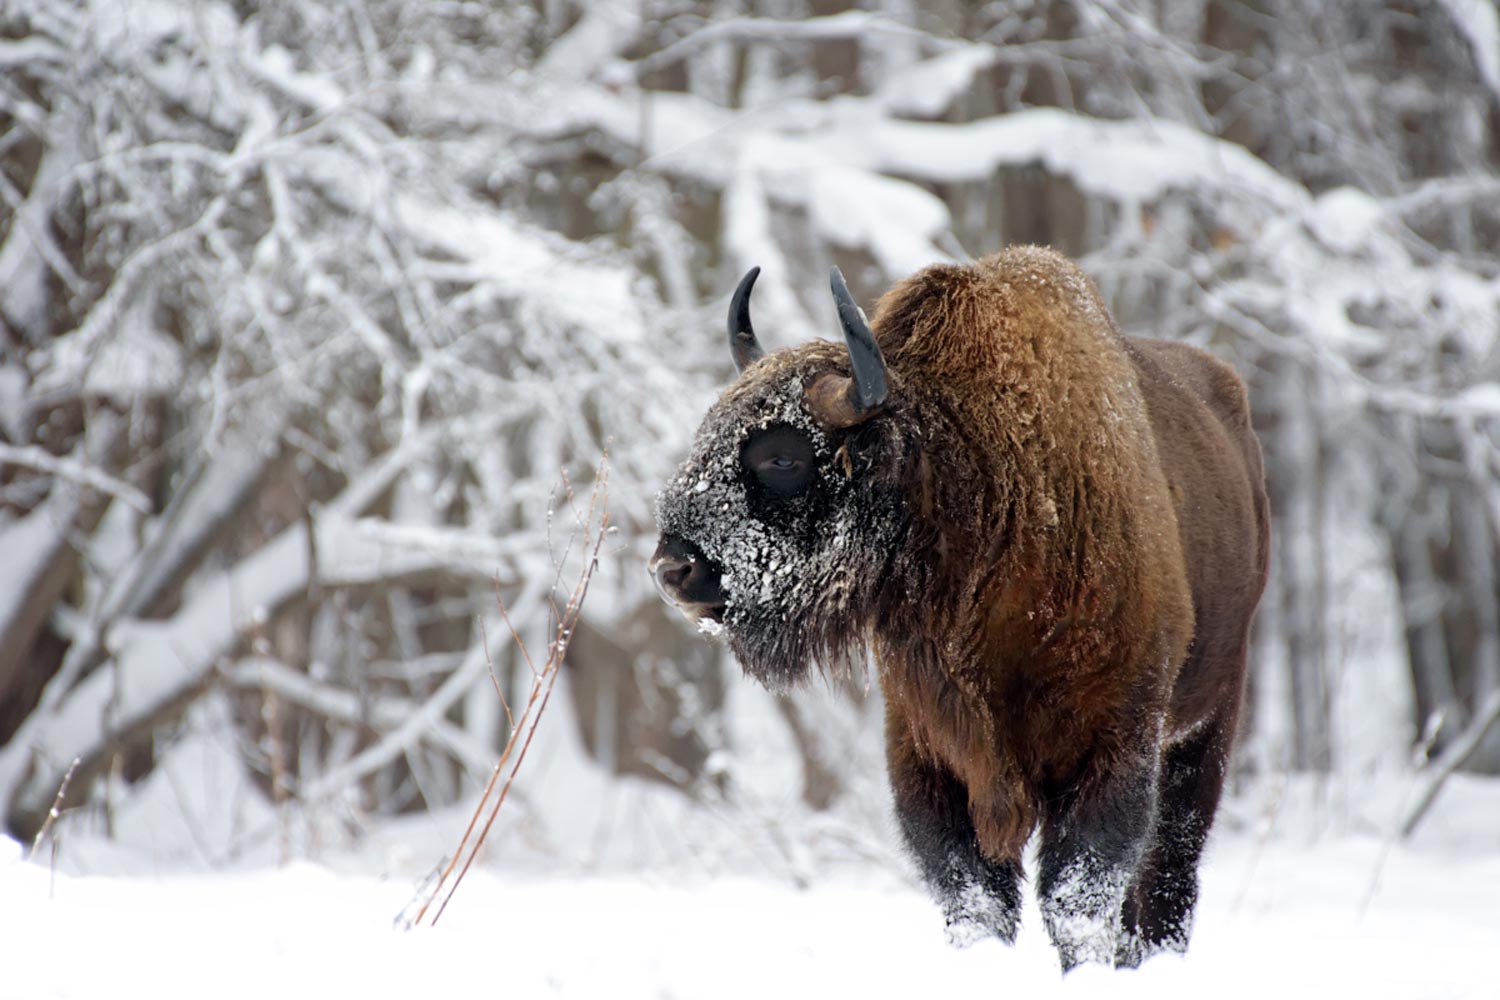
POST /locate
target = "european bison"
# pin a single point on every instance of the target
(1052, 538)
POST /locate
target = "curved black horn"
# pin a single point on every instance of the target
(868, 388)
(742, 343)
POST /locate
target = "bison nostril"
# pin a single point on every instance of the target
(684, 576)
(685, 580)
(673, 573)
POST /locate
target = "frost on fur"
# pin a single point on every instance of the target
(1081, 910)
(974, 913)
(791, 577)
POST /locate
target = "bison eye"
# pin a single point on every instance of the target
(781, 459)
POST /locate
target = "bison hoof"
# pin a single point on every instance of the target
(1131, 949)
(1074, 948)
(974, 914)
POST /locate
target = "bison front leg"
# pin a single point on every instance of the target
(979, 897)
(1092, 844)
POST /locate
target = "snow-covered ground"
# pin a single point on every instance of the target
(1298, 902)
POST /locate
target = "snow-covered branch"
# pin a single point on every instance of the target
(260, 674)
(32, 457)
(157, 665)
(849, 25)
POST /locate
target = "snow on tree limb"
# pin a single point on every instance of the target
(1479, 22)
(1146, 158)
(604, 31)
(157, 665)
(254, 673)
(849, 24)
(30, 457)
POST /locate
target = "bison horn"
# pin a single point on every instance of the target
(844, 402)
(742, 343)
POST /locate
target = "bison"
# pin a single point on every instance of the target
(1050, 537)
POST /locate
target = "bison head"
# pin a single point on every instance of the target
(776, 531)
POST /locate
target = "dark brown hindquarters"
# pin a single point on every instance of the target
(1201, 419)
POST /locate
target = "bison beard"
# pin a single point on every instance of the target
(1051, 537)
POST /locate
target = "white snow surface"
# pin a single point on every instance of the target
(1301, 898)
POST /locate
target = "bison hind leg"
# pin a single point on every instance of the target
(1157, 914)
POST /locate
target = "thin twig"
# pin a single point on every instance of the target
(55, 811)
(548, 678)
(524, 726)
(484, 637)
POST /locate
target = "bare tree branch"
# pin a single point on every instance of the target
(1451, 759)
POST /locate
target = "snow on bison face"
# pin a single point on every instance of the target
(775, 529)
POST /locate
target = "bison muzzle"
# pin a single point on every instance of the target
(1050, 537)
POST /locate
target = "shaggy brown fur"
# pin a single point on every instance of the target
(1059, 604)
(1096, 509)
(1065, 544)
(1057, 549)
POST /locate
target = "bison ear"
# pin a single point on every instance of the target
(743, 346)
(843, 402)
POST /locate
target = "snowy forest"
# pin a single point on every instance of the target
(320, 319)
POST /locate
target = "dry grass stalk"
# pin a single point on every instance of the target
(588, 536)
(55, 811)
